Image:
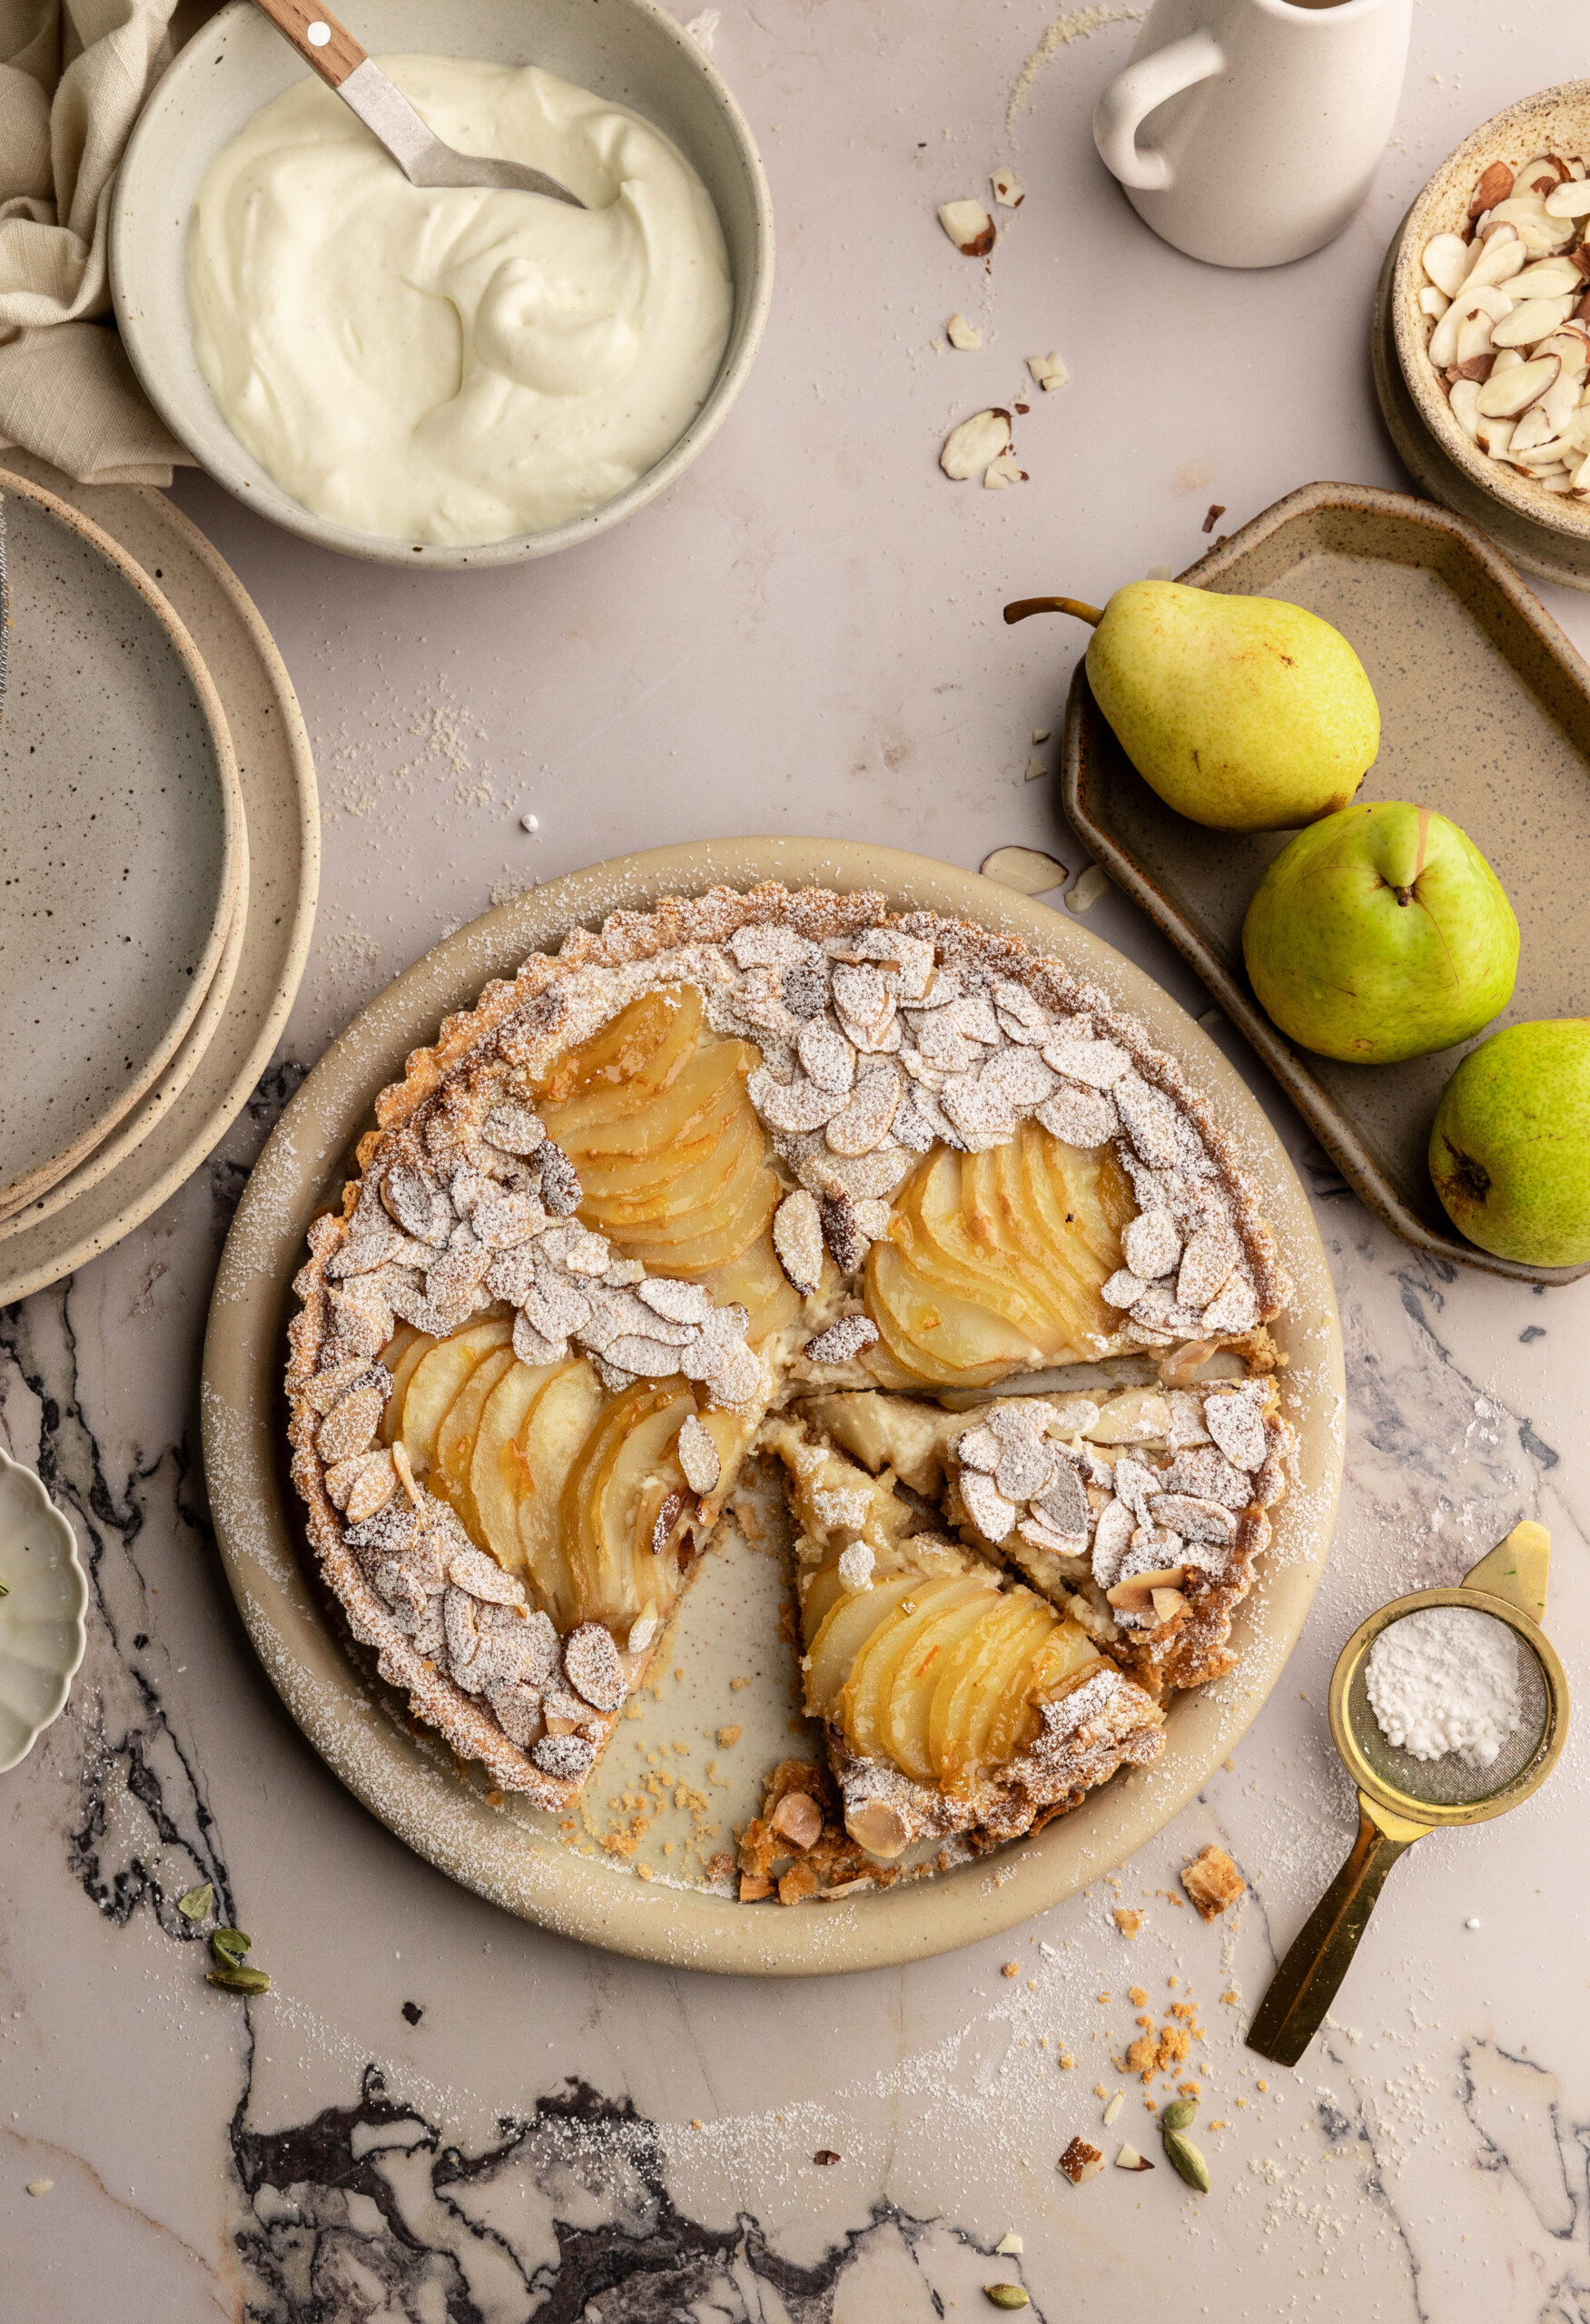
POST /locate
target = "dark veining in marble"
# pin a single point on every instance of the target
(369, 2203)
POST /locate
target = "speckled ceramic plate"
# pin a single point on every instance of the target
(41, 1636)
(691, 1764)
(120, 803)
(283, 822)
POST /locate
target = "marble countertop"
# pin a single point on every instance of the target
(439, 2115)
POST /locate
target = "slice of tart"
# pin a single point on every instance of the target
(785, 1170)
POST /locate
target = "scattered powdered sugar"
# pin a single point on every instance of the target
(1446, 1680)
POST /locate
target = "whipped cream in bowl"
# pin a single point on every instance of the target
(464, 376)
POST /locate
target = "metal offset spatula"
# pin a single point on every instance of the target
(387, 113)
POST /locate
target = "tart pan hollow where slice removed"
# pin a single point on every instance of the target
(1481, 700)
(519, 1856)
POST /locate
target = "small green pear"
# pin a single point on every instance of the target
(1244, 714)
(1510, 1149)
(1381, 933)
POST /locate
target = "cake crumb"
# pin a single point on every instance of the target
(728, 1736)
(1127, 1921)
(1011, 1969)
(1212, 1881)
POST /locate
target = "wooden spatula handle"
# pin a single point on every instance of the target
(318, 38)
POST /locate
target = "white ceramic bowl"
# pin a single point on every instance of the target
(625, 49)
(1556, 120)
(42, 1633)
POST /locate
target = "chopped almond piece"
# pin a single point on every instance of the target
(1080, 2162)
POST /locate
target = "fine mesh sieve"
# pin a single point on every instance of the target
(1401, 1797)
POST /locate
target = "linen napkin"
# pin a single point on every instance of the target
(72, 76)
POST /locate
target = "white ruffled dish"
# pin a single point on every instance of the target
(42, 1630)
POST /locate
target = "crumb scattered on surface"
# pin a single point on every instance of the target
(1212, 1881)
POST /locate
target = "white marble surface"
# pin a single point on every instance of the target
(806, 637)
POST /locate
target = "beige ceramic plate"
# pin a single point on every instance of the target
(727, 1630)
(1557, 120)
(282, 821)
(624, 49)
(1452, 641)
(42, 1632)
(122, 816)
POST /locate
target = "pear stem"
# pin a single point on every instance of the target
(1018, 611)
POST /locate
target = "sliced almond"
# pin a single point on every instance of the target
(1557, 480)
(1572, 344)
(1541, 458)
(1128, 2159)
(1478, 368)
(1443, 338)
(963, 334)
(1493, 436)
(1474, 336)
(1446, 262)
(1570, 199)
(1548, 277)
(1002, 472)
(1531, 320)
(1136, 1596)
(1433, 301)
(1507, 393)
(970, 227)
(1495, 186)
(1506, 356)
(1560, 401)
(1167, 1604)
(1501, 258)
(1579, 477)
(969, 449)
(1049, 371)
(1008, 189)
(1533, 429)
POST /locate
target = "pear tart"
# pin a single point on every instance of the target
(785, 1169)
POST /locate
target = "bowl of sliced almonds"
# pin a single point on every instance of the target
(1491, 307)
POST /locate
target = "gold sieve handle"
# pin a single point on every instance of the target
(1305, 1985)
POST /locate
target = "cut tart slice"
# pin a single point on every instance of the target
(788, 1168)
(955, 1699)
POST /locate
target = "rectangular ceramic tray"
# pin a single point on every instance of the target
(1485, 711)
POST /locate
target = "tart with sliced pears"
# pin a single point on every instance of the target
(889, 1199)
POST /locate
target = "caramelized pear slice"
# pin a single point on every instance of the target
(999, 1701)
(904, 1734)
(847, 1627)
(616, 1122)
(867, 1697)
(496, 1466)
(1063, 1650)
(440, 1372)
(455, 1439)
(643, 1480)
(555, 1429)
(964, 1674)
(401, 1357)
(641, 1049)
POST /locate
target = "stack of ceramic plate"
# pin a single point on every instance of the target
(160, 865)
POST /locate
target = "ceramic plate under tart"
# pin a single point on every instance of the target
(42, 1633)
(725, 1670)
(282, 818)
(121, 815)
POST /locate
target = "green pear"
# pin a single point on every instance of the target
(1242, 713)
(1510, 1150)
(1381, 933)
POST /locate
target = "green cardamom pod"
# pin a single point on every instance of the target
(1180, 2115)
(1185, 2160)
(197, 1902)
(1006, 2295)
(238, 1980)
(229, 1945)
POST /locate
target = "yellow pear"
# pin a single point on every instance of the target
(1244, 714)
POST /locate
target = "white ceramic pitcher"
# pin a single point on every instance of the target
(1269, 118)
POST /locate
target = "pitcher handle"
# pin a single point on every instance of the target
(1133, 94)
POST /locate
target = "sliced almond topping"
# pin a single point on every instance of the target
(963, 334)
(1010, 192)
(1167, 1604)
(1002, 472)
(798, 1819)
(1136, 1595)
(969, 449)
(968, 226)
(1049, 371)
(877, 1827)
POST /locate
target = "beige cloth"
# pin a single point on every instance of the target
(72, 76)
